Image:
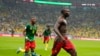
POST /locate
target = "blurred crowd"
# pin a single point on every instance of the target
(83, 21)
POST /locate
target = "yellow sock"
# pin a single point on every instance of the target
(46, 46)
(22, 50)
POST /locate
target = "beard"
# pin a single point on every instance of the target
(33, 23)
(66, 15)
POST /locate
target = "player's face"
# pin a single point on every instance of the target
(33, 21)
(48, 27)
(66, 13)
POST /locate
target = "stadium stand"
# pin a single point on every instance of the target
(84, 20)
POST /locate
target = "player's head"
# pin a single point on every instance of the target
(33, 20)
(48, 26)
(65, 12)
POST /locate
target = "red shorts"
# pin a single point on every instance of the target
(46, 38)
(66, 45)
(30, 44)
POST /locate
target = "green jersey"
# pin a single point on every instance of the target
(47, 32)
(31, 31)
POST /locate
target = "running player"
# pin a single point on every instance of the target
(30, 32)
(62, 41)
(47, 35)
(12, 32)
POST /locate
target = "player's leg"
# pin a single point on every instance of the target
(26, 53)
(46, 42)
(48, 38)
(68, 46)
(32, 52)
(12, 34)
(33, 45)
(72, 52)
(56, 48)
(46, 46)
(20, 50)
(27, 47)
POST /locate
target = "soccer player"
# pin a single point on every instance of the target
(12, 32)
(62, 41)
(47, 35)
(30, 32)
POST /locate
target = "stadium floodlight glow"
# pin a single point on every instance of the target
(53, 3)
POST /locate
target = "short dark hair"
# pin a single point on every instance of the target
(63, 10)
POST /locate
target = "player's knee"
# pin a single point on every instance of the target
(54, 53)
(72, 52)
(75, 53)
(32, 49)
(44, 42)
(26, 51)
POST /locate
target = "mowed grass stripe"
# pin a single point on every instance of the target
(9, 45)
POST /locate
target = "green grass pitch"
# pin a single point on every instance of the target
(9, 45)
